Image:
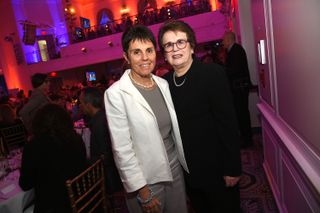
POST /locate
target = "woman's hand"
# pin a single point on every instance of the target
(153, 206)
(231, 181)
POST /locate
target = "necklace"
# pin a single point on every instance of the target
(174, 80)
(141, 85)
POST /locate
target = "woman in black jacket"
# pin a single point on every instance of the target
(54, 154)
(207, 122)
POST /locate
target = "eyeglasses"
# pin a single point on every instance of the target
(180, 44)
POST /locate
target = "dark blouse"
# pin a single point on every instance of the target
(47, 163)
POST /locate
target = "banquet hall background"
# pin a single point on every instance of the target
(78, 42)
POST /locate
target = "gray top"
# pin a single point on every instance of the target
(160, 110)
(37, 100)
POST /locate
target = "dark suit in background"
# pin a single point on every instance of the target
(239, 77)
(100, 143)
(91, 103)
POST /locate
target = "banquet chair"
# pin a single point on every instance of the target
(3, 149)
(14, 136)
(87, 190)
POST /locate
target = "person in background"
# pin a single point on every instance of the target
(239, 78)
(207, 120)
(91, 103)
(29, 93)
(144, 131)
(21, 100)
(38, 99)
(57, 99)
(55, 154)
(7, 115)
(219, 54)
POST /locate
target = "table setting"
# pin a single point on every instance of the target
(12, 198)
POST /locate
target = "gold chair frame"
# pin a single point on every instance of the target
(3, 148)
(14, 136)
(87, 190)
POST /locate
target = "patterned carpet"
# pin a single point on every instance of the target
(256, 195)
(255, 192)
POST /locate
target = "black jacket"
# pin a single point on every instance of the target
(207, 123)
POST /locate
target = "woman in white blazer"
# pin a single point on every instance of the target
(144, 131)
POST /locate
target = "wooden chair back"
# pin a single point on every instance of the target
(14, 136)
(87, 190)
(3, 149)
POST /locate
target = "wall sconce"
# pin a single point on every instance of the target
(169, 2)
(69, 14)
(72, 11)
(169, 13)
(124, 10)
(84, 50)
(110, 44)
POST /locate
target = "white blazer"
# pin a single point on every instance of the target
(138, 148)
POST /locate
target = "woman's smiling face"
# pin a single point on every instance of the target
(178, 58)
(141, 56)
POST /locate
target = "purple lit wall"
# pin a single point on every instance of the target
(290, 101)
(48, 16)
(16, 76)
(60, 29)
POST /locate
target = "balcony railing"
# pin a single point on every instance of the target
(149, 17)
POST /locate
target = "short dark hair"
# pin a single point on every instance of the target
(137, 32)
(38, 79)
(93, 96)
(176, 26)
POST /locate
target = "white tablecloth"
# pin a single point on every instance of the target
(85, 134)
(12, 198)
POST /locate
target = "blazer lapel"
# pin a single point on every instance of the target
(127, 87)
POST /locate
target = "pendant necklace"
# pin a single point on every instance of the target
(174, 80)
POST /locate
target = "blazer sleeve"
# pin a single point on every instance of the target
(123, 151)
